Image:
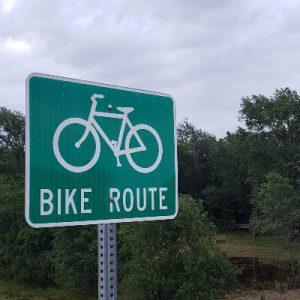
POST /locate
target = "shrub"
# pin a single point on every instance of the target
(174, 259)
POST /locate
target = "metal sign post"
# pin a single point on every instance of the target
(107, 262)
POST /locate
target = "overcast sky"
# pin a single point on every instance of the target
(206, 53)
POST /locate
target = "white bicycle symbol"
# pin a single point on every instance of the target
(91, 126)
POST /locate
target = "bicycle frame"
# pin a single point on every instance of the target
(115, 147)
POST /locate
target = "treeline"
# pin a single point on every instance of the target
(225, 173)
(219, 181)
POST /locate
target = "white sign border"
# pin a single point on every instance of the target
(27, 156)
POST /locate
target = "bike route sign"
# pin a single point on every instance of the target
(98, 153)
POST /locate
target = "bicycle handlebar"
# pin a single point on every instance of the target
(97, 96)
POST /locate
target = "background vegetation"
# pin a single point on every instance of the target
(251, 175)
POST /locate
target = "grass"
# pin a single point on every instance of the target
(10, 290)
(241, 244)
(269, 295)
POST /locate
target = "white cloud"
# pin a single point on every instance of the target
(16, 45)
(207, 54)
(7, 5)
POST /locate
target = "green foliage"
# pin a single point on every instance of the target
(74, 257)
(24, 251)
(174, 259)
(195, 163)
(275, 126)
(12, 130)
(256, 153)
(228, 195)
(278, 114)
(12, 141)
(277, 205)
(212, 170)
(169, 259)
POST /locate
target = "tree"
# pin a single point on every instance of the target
(174, 259)
(213, 171)
(228, 197)
(12, 141)
(195, 165)
(24, 251)
(275, 121)
(277, 207)
(279, 114)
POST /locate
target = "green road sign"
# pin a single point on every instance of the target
(97, 153)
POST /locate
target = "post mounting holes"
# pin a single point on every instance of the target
(107, 285)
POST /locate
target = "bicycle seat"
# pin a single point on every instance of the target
(125, 110)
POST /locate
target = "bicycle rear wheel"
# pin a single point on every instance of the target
(57, 152)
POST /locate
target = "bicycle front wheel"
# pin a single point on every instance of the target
(71, 124)
(153, 138)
